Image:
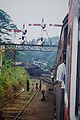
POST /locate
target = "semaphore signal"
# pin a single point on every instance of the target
(42, 25)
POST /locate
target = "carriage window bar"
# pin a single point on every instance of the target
(77, 109)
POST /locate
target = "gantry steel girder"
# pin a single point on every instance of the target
(29, 47)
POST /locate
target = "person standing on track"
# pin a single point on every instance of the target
(32, 87)
(36, 86)
(40, 85)
(27, 85)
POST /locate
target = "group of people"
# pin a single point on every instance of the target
(38, 85)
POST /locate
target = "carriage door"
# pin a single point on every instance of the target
(77, 110)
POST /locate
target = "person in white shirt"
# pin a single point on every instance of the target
(61, 71)
(60, 79)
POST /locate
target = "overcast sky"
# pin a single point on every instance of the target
(32, 11)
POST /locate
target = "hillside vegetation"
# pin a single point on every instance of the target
(12, 79)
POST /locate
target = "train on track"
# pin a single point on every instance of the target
(34, 71)
(69, 50)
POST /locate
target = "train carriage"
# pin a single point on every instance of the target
(70, 51)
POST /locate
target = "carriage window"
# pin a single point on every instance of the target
(79, 35)
(67, 61)
(77, 110)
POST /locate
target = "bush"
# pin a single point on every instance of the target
(11, 80)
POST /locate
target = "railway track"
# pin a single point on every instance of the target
(15, 96)
(15, 107)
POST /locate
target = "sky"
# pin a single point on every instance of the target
(32, 11)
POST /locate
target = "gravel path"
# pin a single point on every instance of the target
(40, 110)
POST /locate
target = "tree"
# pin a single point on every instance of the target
(5, 24)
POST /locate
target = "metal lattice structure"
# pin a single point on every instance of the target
(29, 47)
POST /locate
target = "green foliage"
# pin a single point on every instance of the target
(6, 23)
(44, 56)
(5, 18)
(11, 79)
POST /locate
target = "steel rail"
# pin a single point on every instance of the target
(30, 100)
(25, 105)
(12, 98)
